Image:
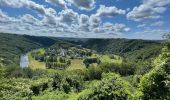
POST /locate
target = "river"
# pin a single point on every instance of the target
(24, 61)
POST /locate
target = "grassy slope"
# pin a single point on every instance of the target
(34, 64)
(106, 58)
(76, 64)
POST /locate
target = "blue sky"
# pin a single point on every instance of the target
(139, 19)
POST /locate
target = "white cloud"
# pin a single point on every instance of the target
(65, 23)
(3, 16)
(48, 14)
(115, 29)
(154, 34)
(148, 25)
(141, 25)
(109, 11)
(68, 16)
(23, 3)
(13, 3)
(61, 3)
(95, 21)
(158, 23)
(120, 28)
(149, 9)
(5, 19)
(28, 4)
(84, 22)
(83, 4)
(27, 18)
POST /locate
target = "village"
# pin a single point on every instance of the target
(62, 58)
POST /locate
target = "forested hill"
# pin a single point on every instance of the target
(12, 46)
(132, 49)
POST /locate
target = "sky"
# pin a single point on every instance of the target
(134, 19)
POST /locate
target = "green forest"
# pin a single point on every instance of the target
(84, 69)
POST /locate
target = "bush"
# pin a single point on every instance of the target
(18, 72)
(93, 72)
(76, 82)
(1, 71)
(13, 71)
(124, 69)
(67, 83)
(111, 87)
(89, 61)
(57, 79)
(156, 84)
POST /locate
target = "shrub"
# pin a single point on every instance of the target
(94, 72)
(122, 69)
(89, 61)
(57, 79)
(111, 87)
(156, 84)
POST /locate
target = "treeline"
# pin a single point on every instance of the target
(133, 50)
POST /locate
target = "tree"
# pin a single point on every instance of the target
(94, 72)
(1, 71)
(124, 69)
(111, 87)
(167, 36)
(156, 83)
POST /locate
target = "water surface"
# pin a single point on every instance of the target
(24, 61)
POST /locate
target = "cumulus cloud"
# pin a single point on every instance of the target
(28, 4)
(61, 3)
(149, 9)
(27, 18)
(95, 21)
(83, 4)
(114, 29)
(84, 22)
(83, 19)
(23, 3)
(3, 16)
(121, 28)
(5, 19)
(49, 14)
(64, 23)
(13, 3)
(109, 11)
(68, 16)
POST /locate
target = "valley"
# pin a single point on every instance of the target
(65, 69)
(84, 50)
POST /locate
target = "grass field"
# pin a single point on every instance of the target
(76, 64)
(106, 58)
(34, 64)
